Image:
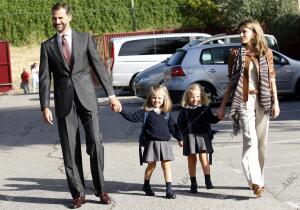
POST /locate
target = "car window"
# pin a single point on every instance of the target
(169, 45)
(276, 59)
(201, 38)
(271, 43)
(194, 42)
(216, 41)
(235, 40)
(138, 47)
(206, 57)
(176, 58)
(215, 56)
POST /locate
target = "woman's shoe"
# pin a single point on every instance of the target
(251, 187)
(257, 190)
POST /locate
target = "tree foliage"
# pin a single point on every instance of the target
(24, 22)
(201, 13)
(265, 11)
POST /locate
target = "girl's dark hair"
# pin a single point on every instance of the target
(60, 5)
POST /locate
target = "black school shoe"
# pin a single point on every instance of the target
(193, 188)
(209, 185)
(170, 195)
(148, 190)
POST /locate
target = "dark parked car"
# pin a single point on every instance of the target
(155, 74)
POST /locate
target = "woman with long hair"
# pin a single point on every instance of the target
(254, 99)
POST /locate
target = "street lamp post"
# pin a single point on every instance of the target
(133, 16)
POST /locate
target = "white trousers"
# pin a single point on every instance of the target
(254, 124)
(35, 85)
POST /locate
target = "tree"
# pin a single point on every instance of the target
(200, 13)
(265, 11)
(275, 9)
(239, 10)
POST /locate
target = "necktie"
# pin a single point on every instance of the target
(66, 51)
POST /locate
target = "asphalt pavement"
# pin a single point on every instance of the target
(32, 174)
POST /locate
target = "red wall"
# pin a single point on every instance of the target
(5, 67)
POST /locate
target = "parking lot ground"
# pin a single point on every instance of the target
(32, 174)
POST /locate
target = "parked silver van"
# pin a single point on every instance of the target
(130, 55)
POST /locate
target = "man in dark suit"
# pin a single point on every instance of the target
(69, 57)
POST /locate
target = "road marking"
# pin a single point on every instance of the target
(266, 167)
(272, 142)
(237, 170)
(292, 204)
(282, 165)
(284, 141)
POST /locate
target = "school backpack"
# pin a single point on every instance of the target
(142, 140)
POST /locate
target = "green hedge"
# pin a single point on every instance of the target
(24, 22)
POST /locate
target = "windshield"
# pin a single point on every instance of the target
(272, 43)
(176, 58)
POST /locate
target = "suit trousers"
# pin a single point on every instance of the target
(68, 128)
(255, 124)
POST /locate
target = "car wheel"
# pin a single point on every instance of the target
(132, 86)
(210, 91)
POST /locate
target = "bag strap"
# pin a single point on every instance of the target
(167, 116)
(145, 117)
(140, 146)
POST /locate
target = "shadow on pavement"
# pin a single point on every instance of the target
(18, 188)
(37, 200)
(24, 125)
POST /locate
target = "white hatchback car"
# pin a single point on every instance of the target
(130, 55)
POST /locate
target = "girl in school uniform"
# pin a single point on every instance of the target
(194, 122)
(158, 126)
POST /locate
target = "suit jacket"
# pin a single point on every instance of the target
(66, 82)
